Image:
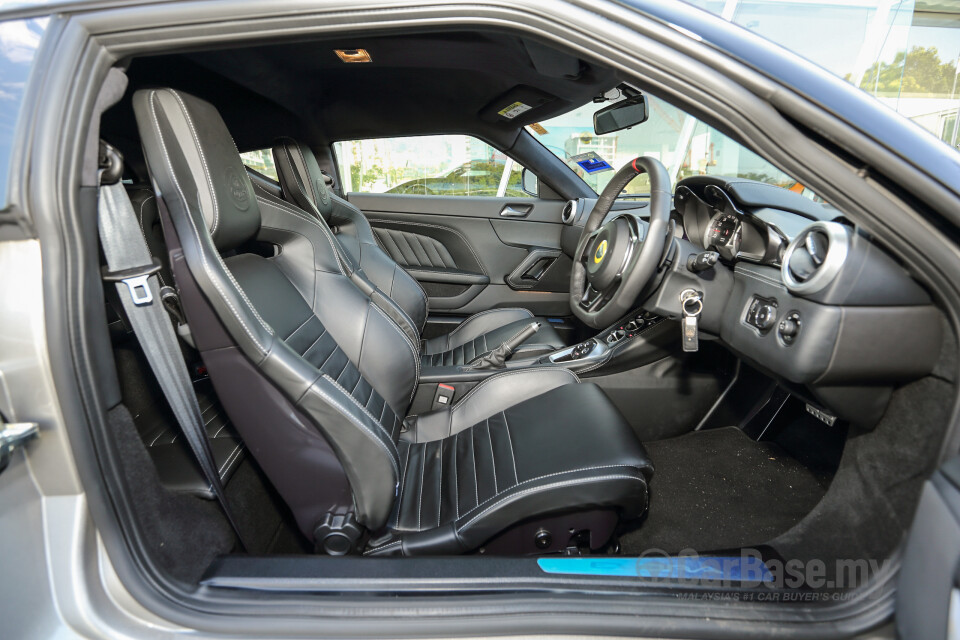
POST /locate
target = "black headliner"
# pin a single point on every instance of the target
(417, 84)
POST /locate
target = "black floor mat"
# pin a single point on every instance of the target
(718, 489)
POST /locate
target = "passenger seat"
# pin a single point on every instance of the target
(303, 185)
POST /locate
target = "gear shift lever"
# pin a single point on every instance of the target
(497, 358)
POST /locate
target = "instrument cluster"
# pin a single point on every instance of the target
(713, 221)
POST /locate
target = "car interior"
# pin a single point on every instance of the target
(715, 364)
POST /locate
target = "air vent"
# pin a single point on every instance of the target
(815, 257)
(569, 213)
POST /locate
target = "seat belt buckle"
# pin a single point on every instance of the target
(136, 279)
(443, 397)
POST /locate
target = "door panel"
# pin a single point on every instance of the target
(468, 256)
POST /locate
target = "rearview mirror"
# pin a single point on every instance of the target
(620, 115)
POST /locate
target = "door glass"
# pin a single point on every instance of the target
(904, 53)
(260, 161)
(449, 165)
(19, 41)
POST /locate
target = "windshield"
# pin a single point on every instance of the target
(682, 143)
(905, 53)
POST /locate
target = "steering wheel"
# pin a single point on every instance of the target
(615, 262)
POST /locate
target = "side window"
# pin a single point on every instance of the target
(449, 165)
(262, 161)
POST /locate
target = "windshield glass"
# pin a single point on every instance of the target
(682, 143)
(905, 53)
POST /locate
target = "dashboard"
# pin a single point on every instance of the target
(800, 293)
(714, 219)
(795, 290)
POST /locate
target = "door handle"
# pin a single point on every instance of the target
(516, 211)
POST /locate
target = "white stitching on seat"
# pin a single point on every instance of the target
(230, 458)
(403, 480)
(440, 494)
(456, 478)
(416, 354)
(423, 468)
(483, 313)
(203, 160)
(196, 231)
(302, 324)
(316, 198)
(363, 408)
(376, 550)
(493, 459)
(552, 475)
(476, 482)
(413, 325)
(311, 220)
(313, 344)
(394, 456)
(555, 485)
(507, 374)
(513, 456)
(193, 132)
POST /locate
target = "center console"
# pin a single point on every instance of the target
(636, 339)
(598, 347)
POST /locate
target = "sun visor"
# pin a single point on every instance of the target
(552, 63)
(520, 105)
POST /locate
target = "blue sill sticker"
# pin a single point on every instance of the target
(695, 568)
(591, 162)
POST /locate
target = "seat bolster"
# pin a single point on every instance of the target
(354, 434)
(474, 327)
(350, 221)
(502, 391)
(300, 177)
(396, 283)
(493, 395)
(622, 487)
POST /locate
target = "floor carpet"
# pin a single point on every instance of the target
(717, 490)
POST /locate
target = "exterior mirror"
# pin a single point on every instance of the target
(529, 183)
(620, 115)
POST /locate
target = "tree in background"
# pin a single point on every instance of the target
(920, 71)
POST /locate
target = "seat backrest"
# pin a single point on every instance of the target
(350, 375)
(304, 187)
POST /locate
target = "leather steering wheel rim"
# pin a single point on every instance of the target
(640, 264)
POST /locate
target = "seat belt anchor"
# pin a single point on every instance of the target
(136, 279)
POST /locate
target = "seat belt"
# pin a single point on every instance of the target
(134, 270)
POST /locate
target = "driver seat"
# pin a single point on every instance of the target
(304, 186)
(321, 392)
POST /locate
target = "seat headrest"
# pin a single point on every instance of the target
(300, 177)
(191, 156)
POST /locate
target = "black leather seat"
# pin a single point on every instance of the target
(303, 185)
(317, 374)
